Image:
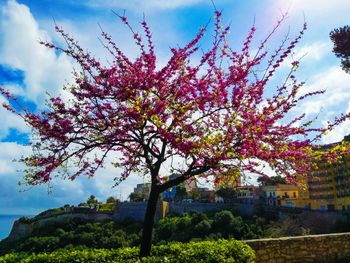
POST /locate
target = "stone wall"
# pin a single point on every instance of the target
(179, 208)
(136, 210)
(313, 248)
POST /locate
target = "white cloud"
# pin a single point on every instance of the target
(334, 102)
(337, 85)
(43, 71)
(321, 15)
(309, 53)
(339, 131)
(104, 180)
(10, 120)
(20, 49)
(36, 199)
(8, 152)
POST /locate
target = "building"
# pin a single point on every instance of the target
(144, 188)
(141, 192)
(286, 195)
(329, 183)
(169, 194)
(247, 194)
(189, 185)
(329, 186)
(303, 200)
(206, 195)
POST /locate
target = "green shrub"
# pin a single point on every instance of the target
(13, 257)
(39, 244)
(198, 217)
(206, 251)
(220, 251)
(108, 207)
(202, 229)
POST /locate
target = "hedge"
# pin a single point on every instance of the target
(221, 251)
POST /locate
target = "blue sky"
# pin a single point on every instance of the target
(30, 70)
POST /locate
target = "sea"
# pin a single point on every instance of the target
(6, 222)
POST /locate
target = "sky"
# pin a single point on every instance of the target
(30, 70)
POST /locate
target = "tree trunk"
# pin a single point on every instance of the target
(148, 223)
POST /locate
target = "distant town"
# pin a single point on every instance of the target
(326, 189)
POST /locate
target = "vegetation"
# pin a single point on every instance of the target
(341, 40)
(91, 241)
(272, 180)
(77, 234)
(92, 201)
(220, 251)
(127, 233)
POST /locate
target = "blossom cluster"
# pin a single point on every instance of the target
(215, 115)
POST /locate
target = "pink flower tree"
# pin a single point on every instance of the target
(213, 116)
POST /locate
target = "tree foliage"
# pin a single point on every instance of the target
(272, 180)
(112, 200)
(341, 40)
(91, 201)
(212, 117)
(217, 115)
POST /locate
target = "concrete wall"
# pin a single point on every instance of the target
(314, 248)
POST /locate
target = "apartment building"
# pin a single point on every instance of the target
(281, 195)
(247, 194)
(329, 183)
